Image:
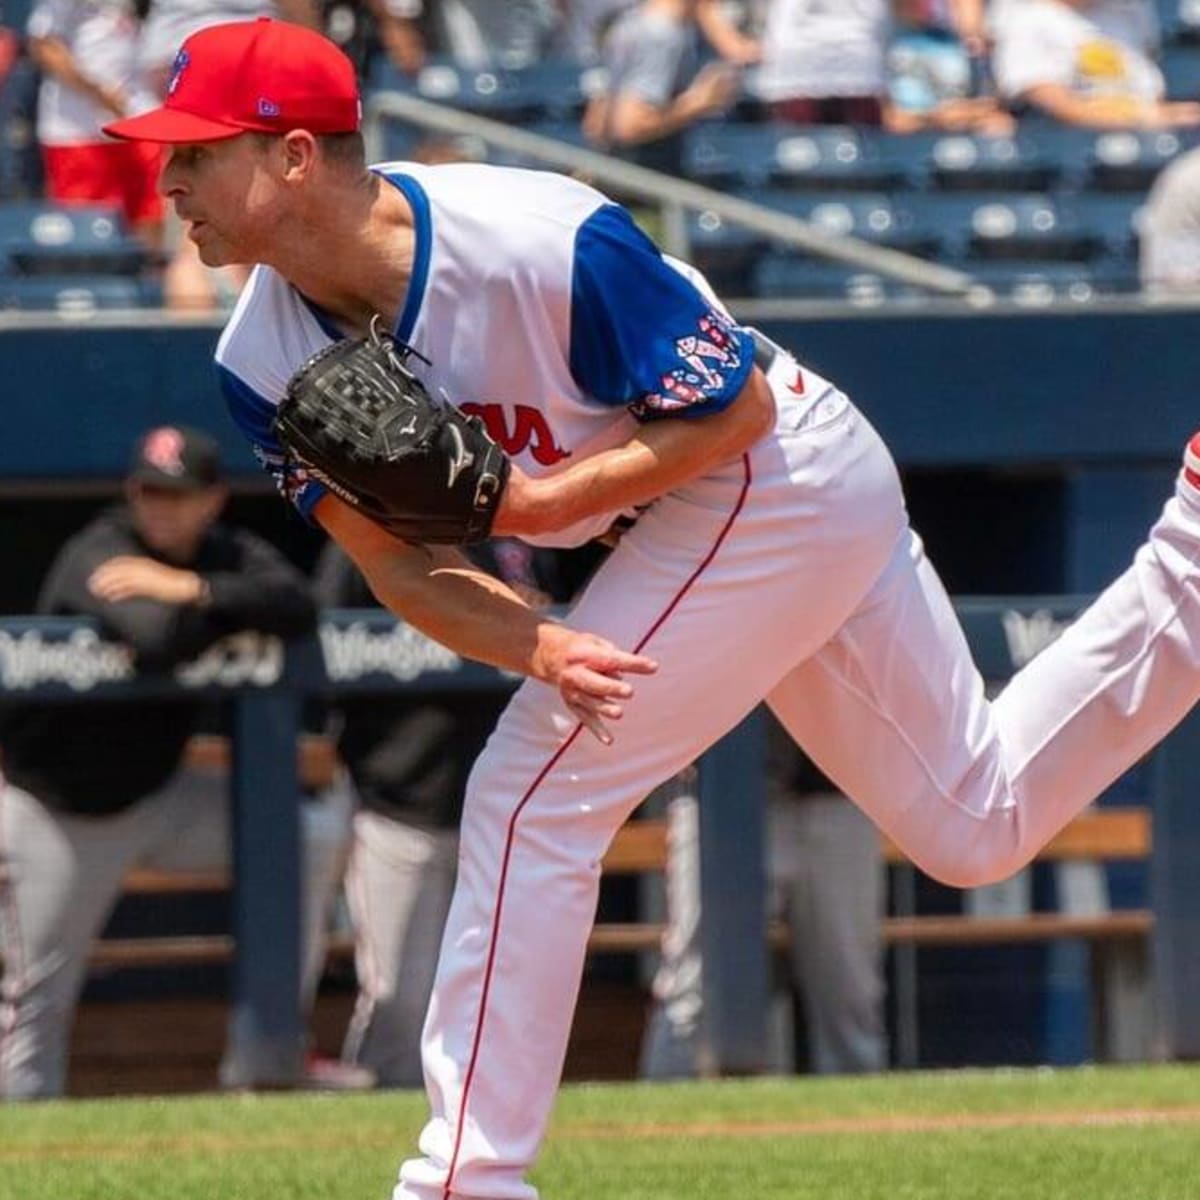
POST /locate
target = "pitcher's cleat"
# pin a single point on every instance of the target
(1191, 462)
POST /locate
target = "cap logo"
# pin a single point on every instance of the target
(181, 60)
(267, 108)
(163, 448)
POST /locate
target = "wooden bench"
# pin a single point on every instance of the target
(641, 848)
(1118, 938)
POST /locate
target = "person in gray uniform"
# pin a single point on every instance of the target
(87, 793)
(408, 758)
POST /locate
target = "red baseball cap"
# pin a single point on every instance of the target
(263, 75)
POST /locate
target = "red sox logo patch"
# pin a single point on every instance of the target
(529, 430)
(163, 448)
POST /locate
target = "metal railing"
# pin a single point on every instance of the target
(675, 197)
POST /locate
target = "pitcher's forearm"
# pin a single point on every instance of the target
(662, 456)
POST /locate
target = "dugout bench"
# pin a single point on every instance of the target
(1117, 939)
(360, 652)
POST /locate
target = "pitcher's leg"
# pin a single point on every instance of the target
(893, 709)
(1116, 682)
(542, 806)
(727, 582)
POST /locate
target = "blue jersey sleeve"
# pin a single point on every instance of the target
(642, 334)
(254, 415)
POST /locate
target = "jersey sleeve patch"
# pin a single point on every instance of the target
(254, 415)
(643, 335)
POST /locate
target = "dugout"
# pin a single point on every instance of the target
(1036, 445)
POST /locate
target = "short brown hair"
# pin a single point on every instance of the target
(342, 149)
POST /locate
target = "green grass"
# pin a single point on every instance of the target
(1033, 1135)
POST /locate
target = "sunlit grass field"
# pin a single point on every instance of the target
(1094, 1134)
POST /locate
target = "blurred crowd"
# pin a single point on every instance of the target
(653, 68)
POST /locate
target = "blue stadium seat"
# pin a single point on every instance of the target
(725, 251)
(782, 275)
(1129, 161)
(725, 156)
(786, 276)
(1007, 226)
(1181, 69)
(799, 157)
(872, 217)
(1180, 20)
(504, 95)
(1112, 218)
(41, 238)
(963, 162)
(562, 87)
(72, 295)
(1035, 285)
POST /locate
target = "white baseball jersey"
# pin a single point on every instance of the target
(537, 304)
(787, 574)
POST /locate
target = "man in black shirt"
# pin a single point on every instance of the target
(89, 792)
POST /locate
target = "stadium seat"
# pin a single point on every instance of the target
(786, 276)
(41, 238)
(1181, 69)
(1128, 161)
(797, 157)
(725, 251)
(725, 156)
(1112, 219)
(562, 87)
(1006, 226)
(781, 275)
(1180, 21)
(74, 296)
(1034, 285)
(869, 216)
(963, 162)
(502, 94)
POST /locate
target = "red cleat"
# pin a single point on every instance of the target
(1191, 462)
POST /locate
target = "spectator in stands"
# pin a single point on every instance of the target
(87, 51)
(826, 879)
(656, 87)
(364, 28)
(1169, 229)
(825, 64)
(21, 172)
(938, 73)
(408, 758)
(475, 33)
(188, 285)
(586, 22)
(89, 793)
(170, 22)
(828, 64)
(1085, 62)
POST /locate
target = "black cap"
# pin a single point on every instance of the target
(176, 457)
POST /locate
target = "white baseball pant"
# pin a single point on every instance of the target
(791, 575)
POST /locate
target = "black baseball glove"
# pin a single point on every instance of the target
(359, 421)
